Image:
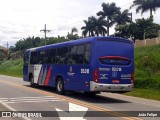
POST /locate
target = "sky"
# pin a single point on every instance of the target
(25, 18)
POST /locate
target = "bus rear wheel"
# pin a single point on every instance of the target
(60, 86)
(32, 84)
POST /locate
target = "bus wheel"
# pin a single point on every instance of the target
(32, 82)
(60, 86)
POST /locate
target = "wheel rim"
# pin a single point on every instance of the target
(59, 86)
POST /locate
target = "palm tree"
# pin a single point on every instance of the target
(108, 11)
(88, 28)
(122, 18)
(99, 25)
(74, 30)
(146, 5)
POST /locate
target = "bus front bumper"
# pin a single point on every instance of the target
(110, 87)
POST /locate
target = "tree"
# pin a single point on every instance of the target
(109, 10)
(143, 28)
(146, 5)
(73, 36)
(122, 18)
(88, 28)
(99, 25)
(74, 30)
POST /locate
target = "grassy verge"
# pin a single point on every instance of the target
(145, 93)
(12, 68)
(147, 67)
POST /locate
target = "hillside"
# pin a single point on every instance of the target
(147, 67)
(12, 68)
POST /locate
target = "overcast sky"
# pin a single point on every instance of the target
(25, 18)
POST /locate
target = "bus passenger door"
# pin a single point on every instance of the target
(25, 66)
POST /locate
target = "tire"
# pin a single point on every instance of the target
(32, 84)
(60, 86)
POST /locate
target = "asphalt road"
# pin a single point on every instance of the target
(19, 96)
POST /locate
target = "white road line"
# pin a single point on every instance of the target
(3, 100)
(30, 99)
(33, 97)
(12, 109)
(34, 101)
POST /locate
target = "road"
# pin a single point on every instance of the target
(19, 96)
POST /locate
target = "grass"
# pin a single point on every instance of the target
(12, 68)
(147, 67)
(145, 93)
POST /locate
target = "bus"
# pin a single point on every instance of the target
(91, 65)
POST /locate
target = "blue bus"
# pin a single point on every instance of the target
(92, 65)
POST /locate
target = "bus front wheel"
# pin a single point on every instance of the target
(60, 86)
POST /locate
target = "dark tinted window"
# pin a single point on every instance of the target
(62, 55)
(51, 56)
(72, 55)
(42, 57)
(26, 59)
(80, 54)
(87, 54)
(34, 58)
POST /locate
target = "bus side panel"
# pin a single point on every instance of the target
(78, 78)
(72, 76)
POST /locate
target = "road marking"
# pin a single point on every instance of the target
(34, 97)
(34, 101)
(85, 104)
(12, 109)
(72, 107)
(31, 99)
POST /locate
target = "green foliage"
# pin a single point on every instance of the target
(73, 36)
(146, 5)
(12, 67)
(142, 28)
(95, 26)
(109, 10)
(122, 18)
(29, 42)
(147, 67)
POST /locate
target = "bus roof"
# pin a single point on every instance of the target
(81, 41)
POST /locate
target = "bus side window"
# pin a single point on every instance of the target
(26, 59)
(34, 59)
(42, 57)
(62, 55)
(52, 56)
(87, 54)
(72, 55)
(80, 54)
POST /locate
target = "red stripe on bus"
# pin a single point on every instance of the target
(47, 77)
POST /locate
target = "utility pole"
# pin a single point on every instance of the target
(130, 14)
(45, 31)
(7, 46)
